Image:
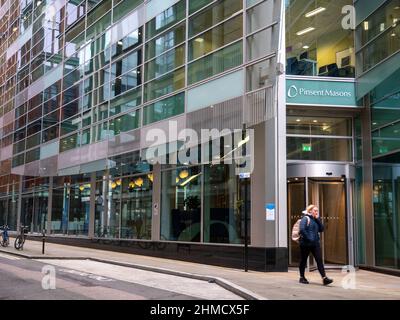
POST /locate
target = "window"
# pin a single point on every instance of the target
(213, 15)
(165, 63)
(181, 204)
(165, 84)
(216, 38)
(310, 51)
(165, 42)
(164, 109)
(124, 123)
(320, 139)
(217, 62)
(123, 7)
(166, 19)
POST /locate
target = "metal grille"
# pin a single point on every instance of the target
(259, 106)
(225, 115)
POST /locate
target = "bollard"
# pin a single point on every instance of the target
(43, 240)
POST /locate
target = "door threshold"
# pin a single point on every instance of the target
(330, 267)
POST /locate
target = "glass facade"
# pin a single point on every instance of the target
(317, 44)
(320, 139)
(378, 36)
(377, 41)
(79, 80)
(82, 83)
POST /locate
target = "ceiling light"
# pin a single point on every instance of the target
(298, 120)
(190, 179)
(315, 12)
(183, 174)
(39, 3)
(200, 40)
(315, 121)
(366, 25)
(300, 33)
(393, 34)
(306, 47)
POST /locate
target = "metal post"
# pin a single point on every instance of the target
(246, 241)
(43, 240)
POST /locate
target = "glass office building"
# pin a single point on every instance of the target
(85, 83)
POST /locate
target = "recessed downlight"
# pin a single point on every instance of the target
(315, 12)
(307, 30)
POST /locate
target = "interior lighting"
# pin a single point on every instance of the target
(366, 25)
(139, 182)
(315, 12)
(183, 174)
(200, 40)
(307, 30)
(190, 179)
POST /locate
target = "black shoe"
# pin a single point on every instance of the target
(327, 281)
(304, 281)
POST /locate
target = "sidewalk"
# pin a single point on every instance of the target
(251, 285)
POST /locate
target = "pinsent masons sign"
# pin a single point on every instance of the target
(320, 92)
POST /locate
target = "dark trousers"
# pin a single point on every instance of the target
(316, 252)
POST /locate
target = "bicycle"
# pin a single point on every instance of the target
(5, 239)
(20, 240)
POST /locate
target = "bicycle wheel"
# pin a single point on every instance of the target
(19, 243)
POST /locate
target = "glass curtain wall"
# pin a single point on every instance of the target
(181, 204)
(317, 43)
(386, 196)
(124, 195)
(212, 191)
(224, 205)
(71, 205)
(320, 139)
(378, 36)
(34, 204)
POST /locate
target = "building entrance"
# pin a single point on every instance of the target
(329, 188)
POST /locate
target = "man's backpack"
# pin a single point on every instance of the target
(296, 230)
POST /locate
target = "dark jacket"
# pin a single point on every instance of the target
(310, 231)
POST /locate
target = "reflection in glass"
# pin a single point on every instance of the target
(136, 207)
(224, 205)
(181, 204)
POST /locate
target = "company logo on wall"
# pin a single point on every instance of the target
(293, 92)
